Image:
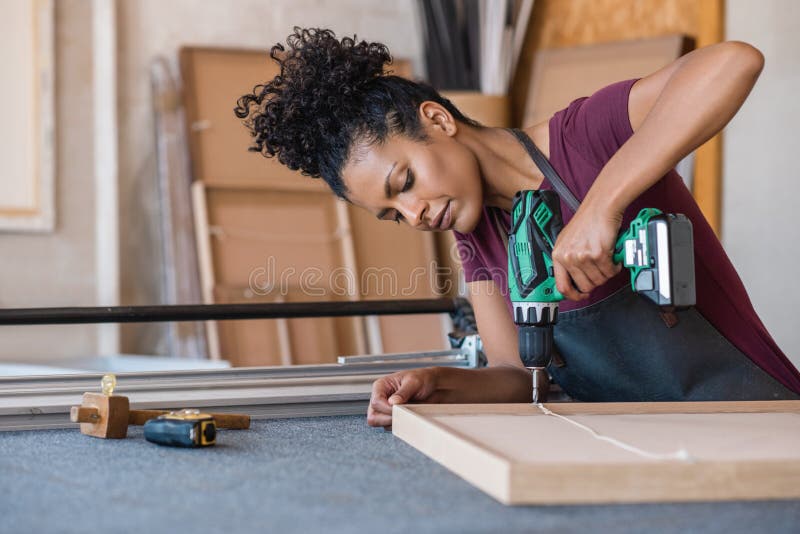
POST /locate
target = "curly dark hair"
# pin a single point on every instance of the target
(330, 94)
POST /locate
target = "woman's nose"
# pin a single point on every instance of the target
(414, 211)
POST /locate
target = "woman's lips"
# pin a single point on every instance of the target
(446, 219)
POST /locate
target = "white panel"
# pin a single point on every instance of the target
(26, 108)
(104, 66)
(762, 170)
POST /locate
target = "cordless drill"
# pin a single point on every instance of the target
(657, 248)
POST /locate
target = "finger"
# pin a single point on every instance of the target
(409, 386)
(378, 419)
(564, 282)
(594, 274)
(581, 281)
(379, 400)
(608, 267)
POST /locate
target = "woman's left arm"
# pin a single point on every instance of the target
(672, 112)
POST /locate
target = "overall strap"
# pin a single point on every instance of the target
(547, 169)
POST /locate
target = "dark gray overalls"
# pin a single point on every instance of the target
(621, 349)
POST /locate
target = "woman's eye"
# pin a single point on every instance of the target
(397, 217)
(409, 181)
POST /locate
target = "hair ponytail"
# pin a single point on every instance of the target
(329, 94)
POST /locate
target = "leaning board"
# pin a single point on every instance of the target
(518, 455)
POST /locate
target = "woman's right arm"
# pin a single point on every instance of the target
(504, 380)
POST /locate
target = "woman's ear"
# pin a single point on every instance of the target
(434, 115)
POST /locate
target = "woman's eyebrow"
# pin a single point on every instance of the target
(387, 190)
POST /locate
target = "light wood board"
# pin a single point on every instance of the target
(519, 455)
(560, 75)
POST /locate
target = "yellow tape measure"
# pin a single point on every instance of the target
(182, 428)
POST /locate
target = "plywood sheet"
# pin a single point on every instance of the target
(267, 245)
(272, 237)
(556, 24)
(279, 341)
(519, 455)
(214, 79)
(561, 75)
(396, 262)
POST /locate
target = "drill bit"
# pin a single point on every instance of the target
(541, 384)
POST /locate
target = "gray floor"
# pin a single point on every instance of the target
(303, 475)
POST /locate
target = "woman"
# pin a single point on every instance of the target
(403, 152)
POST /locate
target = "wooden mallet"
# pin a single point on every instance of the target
(105, 415)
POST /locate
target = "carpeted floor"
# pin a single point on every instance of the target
(303, 475)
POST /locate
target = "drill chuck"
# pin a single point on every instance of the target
(536, 345)
(535, 313)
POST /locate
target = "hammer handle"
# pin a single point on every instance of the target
(223, 420)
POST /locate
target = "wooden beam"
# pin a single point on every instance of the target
(707, 188)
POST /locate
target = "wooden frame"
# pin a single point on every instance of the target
(28, 202)
(519, 455)
(228, 251)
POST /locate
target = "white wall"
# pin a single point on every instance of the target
(57, 269)
(762, 169)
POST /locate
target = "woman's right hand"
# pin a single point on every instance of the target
(399, 388)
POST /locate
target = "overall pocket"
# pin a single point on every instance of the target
(619, 349)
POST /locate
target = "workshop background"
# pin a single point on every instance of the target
(104, 247)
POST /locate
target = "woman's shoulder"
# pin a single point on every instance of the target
(594, 126)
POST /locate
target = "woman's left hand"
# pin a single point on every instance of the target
(582, 253)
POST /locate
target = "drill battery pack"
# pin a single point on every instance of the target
(659, 250)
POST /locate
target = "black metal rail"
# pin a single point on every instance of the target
(222, 312)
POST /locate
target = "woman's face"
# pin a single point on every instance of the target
(432, 185)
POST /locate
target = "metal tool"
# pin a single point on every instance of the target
(467, 351)
(208, 312)
(183, 428)
(106, 415)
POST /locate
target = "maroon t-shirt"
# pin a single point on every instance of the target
(583, 137)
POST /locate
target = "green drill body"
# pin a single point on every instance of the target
(657, 248)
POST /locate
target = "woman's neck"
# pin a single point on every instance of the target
(504, 163)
